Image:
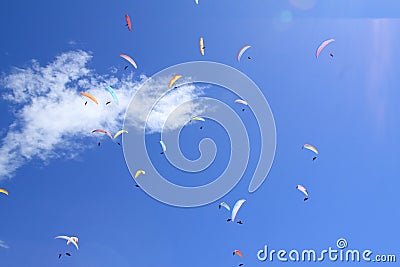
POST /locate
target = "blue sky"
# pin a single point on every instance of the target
(345, 105)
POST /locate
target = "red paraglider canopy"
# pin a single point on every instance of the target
(128, 22)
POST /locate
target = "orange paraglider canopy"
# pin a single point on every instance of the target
(237, 252)
(90, 97)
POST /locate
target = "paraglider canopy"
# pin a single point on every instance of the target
(129, 59)
(139, 172)
(90, 97)
(197, 119)
(241, 52)
(240, 101)
(173, 80)
(236, 208)
(223, 204)
(201, 45)
(164, 148)
(311, 148)
(70, 240)
(102, 131)
(303, 190)
(238, 252)
(128, 22)
(112, 92)
(119, 133)
(322, 46)
(3, 191)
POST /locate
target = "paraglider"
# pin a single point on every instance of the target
(126, 67)
(119, 133)
(164, 148)
(128, 22)
(102, 131)
(129, 59)
(236, 208)
(240, 222)
(112, 92)
(173, 80)
(331, 55)
(322, 46)
(226, 206)
(85, 103)
(303, 190)
(90, 97)
(5, 192)
(241, 101)
(197, 119)
(108, 102)
(241, 52)
(70, 240)
(311, 148)
(139, 172)
(237, 252)
(201, 45)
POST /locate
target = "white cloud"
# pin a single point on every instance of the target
(50, 115)
(169, 103)
(166, 106)
(113, 70)
(72, 43)
(3, 244)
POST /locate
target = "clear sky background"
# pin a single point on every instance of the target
(347, 106)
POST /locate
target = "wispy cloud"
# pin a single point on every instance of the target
(3, 244)
(165, 107)
(72, 43)
(50, 115)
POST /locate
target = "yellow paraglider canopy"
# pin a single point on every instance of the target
(197, 119)
(173, 80)
(139, 172)
(119, 133)
(3, 191)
